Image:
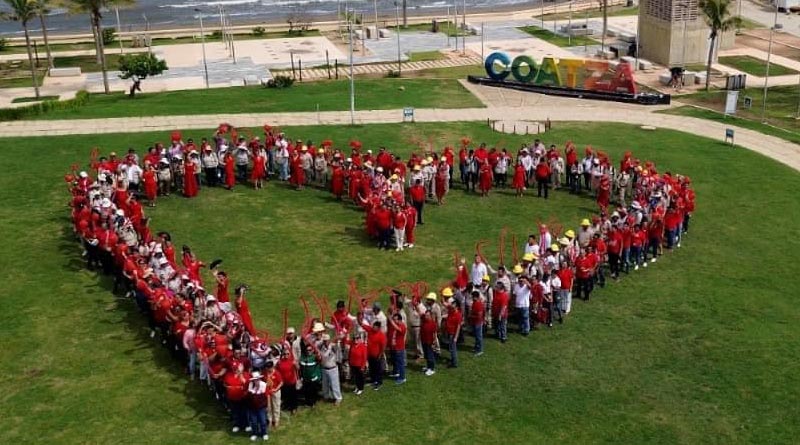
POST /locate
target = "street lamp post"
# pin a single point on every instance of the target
(352, 81)
(203, 44)
(375, 4)
(766, 71)
(397, 24)
(119, 30)
(569, 24)
(464, 25)
(586, 25)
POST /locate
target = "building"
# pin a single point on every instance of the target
(673, 33)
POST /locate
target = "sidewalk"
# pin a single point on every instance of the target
(383, 68)
(501, 104)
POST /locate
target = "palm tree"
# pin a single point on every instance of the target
(43, 7)
(718, 17)
(24, 11)
(95, 9)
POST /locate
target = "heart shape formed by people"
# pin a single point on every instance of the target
(304, 211)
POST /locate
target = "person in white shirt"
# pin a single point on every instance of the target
(134, 176)
(501, 169)
(479, 270)
(210, 163)
(532, 246)
(522, 301)
(587, 163)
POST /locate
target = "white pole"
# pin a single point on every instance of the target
(397, 24)
(448, 27)
(636, 44)
(569, 25)
(119, 30)
(464, 31)
(586, 41)
(766, 72)
(352, 82)
(375, 4)
(203, 45)
(482, 39)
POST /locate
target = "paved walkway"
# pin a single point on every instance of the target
(383, 68)
(501, 104)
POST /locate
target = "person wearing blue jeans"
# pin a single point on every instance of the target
(257, 389)
(522, 295)
(397, 343)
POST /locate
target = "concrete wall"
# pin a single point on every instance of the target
(663, 42)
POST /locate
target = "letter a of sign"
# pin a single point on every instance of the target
(548, 73)
(572, 66)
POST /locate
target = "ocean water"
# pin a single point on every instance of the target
(180, 13)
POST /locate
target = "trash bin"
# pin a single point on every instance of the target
(434, 26)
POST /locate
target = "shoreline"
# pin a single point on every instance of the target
(327, 22)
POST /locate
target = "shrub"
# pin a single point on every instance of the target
(259, 31)
(280, 82)
(15, 114)
(3, 44)
(109, 35)
(217, 35)
(393, 74)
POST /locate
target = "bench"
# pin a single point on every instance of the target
(251, 80)
(71, 71)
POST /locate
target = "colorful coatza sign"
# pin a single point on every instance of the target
(585, 74)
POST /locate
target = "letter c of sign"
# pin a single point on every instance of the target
(500, 58)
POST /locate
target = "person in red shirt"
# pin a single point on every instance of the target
(486, 177)
(672, 222)
(598, 257)
(411, 224)
(614, 251)
(518, 181)
(655, 234)
(358, 363)
(383, 221)
(397, 344)
(627, 238)
(452, 328)
(376, 344)
(399, 221)
(638, 240)
(500, 311)
(235, 383)
(222, 285)
(584, 274)
(417, 194)
(427, 334)
(566, 276)
(542, 178)
(337, 181)
(287, 367)
(477, 317)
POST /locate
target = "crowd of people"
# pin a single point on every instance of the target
(641, 214)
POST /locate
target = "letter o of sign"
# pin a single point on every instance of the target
(517, 64)
(502, 59)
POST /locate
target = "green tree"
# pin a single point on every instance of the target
(95, 10)
(139, 66)
(718, 17)
(23, 11)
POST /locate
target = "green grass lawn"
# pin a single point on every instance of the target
(691, 111)
(425, 56)
(549, 36)
(447, 28)
(87, 64)
(702, 348)
(755, 66)
(614, 11)
(20, 79)
(371, 94)
(782, 104)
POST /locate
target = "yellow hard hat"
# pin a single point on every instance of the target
(517, 269)
(424, 162)
(528, 257)
(303, 148)
(564, 241)
(321, 151)
(555, 247)
(486, 278)
(394, 177)
(432, 296)
(571, 233)
(417, 168)
(429, 159)
(447, 292)
(586, 222)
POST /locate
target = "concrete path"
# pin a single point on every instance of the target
(501, 104)
(383, 68)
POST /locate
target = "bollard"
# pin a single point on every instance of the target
(328, 64)
(291, 60)
(300, 68)
(526, 130)
(504, 127)
(337, 69)
(515, 128)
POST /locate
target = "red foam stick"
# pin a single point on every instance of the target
(285, 319)
(501, 246)
(514, 249)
